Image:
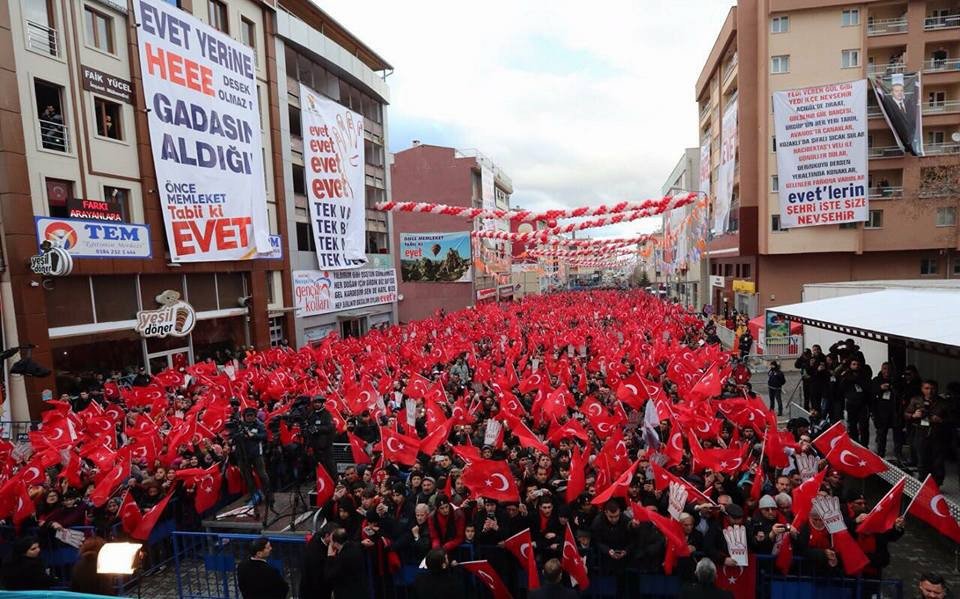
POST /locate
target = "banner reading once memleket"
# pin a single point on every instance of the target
(333, 160)
(200, 88)
(822, 154)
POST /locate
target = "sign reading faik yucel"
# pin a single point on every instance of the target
(201, 93)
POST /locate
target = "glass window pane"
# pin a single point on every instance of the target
(153, 285)
(77, 360)
(201, 289)
(69, 302)
(230, 289)
(215, 337)
(116, 298)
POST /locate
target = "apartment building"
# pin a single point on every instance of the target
(765, 46)
(77, 170)
(442, 175)
(683, 267)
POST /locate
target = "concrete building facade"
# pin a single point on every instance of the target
(688, 280)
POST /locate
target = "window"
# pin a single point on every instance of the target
(746, 271)
(99, 29)
(736, 270)
(53, 131)
(295, 126)
(947, 217)
(248, 33)
(775, 224)
(935, 137)
(373, 195)
(305, 238)
(780, 64)
(848, 226)
(850, 17)
(377, 243)
(217, 14)
(956, 265)
(59, 193)
(372, 153)
(728, 270)
(108, 118)
(774, 183)
(779, 24)
(875, 221)
(773, 144)
(299, 179)
(850, 59)
(118, 200)
(928, 266)
(937, 99)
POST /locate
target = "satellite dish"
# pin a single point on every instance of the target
(955, 136)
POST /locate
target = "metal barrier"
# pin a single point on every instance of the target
(780, 348)
(13, 429)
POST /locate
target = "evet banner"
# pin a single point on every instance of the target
(822, 154)
(323, 291)
(204, 116)
(333, 160)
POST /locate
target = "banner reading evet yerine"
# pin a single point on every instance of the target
(333, 160)
(201, 91)
(822, 154)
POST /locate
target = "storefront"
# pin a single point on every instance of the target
(745, 297)
(348, 302)
(93, 323)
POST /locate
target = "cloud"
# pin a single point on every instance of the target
(579, 104)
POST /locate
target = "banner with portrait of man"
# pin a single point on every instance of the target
(899, 98)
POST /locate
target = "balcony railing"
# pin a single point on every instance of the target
(887, 26)
(873, 111)
(939, 107)
(54, 136)
(884, 152)
(887, 192)
(938, 149)
(885, 69)
(935, 65)
(42, 39)
(729, 67)
(944, 22)
(704, 111)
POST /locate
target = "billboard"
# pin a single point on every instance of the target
(436, 257)
(822, 154)
(94, 238)
(333, 159)
(203, 112)
(324, 291)
(727, 170)
(899, 97)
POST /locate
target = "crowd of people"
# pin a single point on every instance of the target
(569, 435)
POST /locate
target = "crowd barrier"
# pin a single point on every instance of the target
(205, 566)
(13, 430)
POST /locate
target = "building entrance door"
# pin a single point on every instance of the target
(160, 361)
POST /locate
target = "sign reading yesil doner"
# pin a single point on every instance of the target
(94, 238)
(325, 291)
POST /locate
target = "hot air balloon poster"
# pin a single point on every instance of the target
(436, 257)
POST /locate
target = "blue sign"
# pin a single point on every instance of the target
(94, 238)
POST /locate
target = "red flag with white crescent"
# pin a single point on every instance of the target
(325, 486)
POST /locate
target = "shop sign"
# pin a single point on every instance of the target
(276, 249)
(107, 85)
(94, 209)
(716, 281)
(484, 294)
(740, 286)
(174, 317)
(505, 291)
(324, 291)
(94, 238)
(51, 262)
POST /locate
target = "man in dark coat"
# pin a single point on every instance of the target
(552, 587)
(312, 581)
(344, 566)
(439, 581)
(256, 578)
(705, 587)
(886, 412)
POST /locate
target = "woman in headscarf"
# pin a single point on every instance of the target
(23, 570)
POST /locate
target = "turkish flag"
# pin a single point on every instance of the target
(436, 437)
(930, 506)
(710, 384)
(490, 479)
(671, 530)
(110, 481)
(572, 562)
(803, 497)
(571, 428)
(663, 477)
(673, 449)
(489, 577)
(325, 486)
(632, 391)
(534, 381)
(854, 459)
(208, 489)
(618, 488)
(830, 437)
(740, 581)
(521, 546)
(71, 472)
(358, 449)
(851, 554)
(577, 481)
(130, 515)
(235, 483)
(150, 517)
(882, 517)
(25, 506)
(526, 437)
(398, 448)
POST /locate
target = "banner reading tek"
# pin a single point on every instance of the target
(320, 292)
(201, 91)
(821, 134)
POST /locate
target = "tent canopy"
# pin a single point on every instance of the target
(923, 320)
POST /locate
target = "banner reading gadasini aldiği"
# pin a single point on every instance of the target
(204, 116)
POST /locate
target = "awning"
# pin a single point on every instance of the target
(924, 320)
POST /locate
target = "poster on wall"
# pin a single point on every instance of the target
(899, 96)
(93, 238)
(822, 154)
(727, 170)
(333, 160)
(436, 257)
(705, 166)
(204, 118)
(324, 291)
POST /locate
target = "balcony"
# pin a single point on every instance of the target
(885, 69)
(941, 149)
(705, 111)
(940, 65)
(54, 136)
(729, 68)
(43, 39)
(884, 152)
(943, 107)
(887, 26)
(887, 192)
(941, 22)
(873, 111)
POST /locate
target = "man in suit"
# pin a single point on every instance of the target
(256, 578)
(344, 567)
(312, 580)
(552, 588)
(705, 587)
(901, 111)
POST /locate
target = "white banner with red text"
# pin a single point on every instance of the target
(324, 291)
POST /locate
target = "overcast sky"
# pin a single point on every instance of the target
(579, 103)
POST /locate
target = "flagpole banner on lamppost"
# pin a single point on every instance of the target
(436, 257)
(822, 154)
(200, 89)
(333, 161)
(725, 174)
